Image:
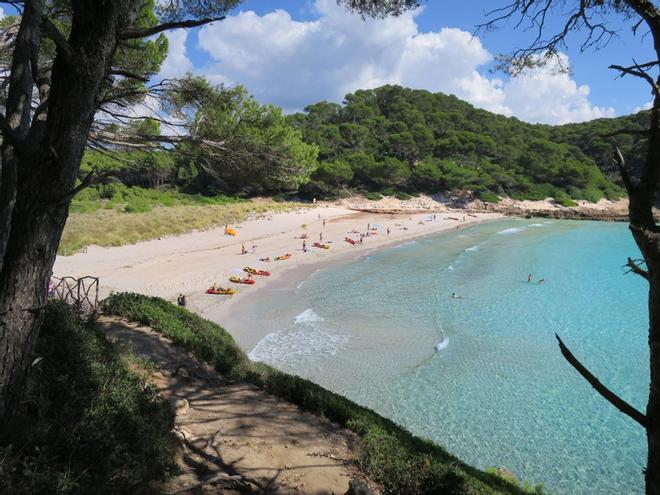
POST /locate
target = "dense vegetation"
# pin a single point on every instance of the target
(402, 463)
(397, 139)
(389, 140)
(89, 424)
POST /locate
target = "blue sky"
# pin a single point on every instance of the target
(295, 52)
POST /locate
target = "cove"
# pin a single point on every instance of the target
(482, 375)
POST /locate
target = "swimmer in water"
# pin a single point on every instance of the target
(529, 278)
(542, 281)
(456, 296)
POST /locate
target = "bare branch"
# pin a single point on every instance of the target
(606, 393)
(635, 268)
(85, 183)
(637, 71)
(133, 33)
(620, 163)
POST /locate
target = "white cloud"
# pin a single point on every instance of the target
(177, 62)
(646, 106)
(294, 63)
(548, 95)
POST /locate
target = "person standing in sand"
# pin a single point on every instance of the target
(243, 250)
(324, 223)
(388, 231)
(320, 236)
(304, 247)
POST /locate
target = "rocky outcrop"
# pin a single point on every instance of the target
(563, 213)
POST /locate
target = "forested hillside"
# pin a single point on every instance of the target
(403, 139)
(389, 140)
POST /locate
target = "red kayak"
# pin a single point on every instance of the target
(319, 245)
(238, 280)
(350, 241)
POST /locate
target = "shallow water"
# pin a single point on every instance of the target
(481, 376)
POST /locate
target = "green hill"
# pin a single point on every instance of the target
(393, 138)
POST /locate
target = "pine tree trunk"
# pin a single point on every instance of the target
(47, 153)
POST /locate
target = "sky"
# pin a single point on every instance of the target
(292, 53)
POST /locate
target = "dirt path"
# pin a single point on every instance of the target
(234, 432)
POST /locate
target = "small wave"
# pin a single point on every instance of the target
(512, 230)
(307, 316)
(300, 284)
(442, 344)
(308, 344)
(450, 268)
(536, 225)
(473, 248)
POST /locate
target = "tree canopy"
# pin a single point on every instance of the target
(414, 140)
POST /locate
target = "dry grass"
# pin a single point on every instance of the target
(116, 228)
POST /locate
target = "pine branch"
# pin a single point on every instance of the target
(134, 33)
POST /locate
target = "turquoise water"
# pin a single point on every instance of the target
(482, 375)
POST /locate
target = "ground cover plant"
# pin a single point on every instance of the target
(89, 423)
(401, 462)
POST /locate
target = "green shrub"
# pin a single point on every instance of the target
(92, 426)
(593, 194)
(563, 199)
(403, 196)
(137, 205)
(489, 197)
(401, 462)
(373, 196)
(203, 338)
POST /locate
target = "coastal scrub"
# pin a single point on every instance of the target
(399, 461)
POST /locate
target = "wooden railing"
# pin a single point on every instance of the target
(81, 293)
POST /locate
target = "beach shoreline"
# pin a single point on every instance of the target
(188, 264)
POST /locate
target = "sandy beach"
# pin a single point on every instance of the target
(191, 263)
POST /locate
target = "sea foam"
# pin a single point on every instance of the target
(305, 340)
(307, 316)
(512, 230)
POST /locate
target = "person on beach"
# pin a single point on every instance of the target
(304, 247)
(434, 217)
(181, 300)
(324, 223)
(529, 278)
(254, 248)
(243, 251)
(320, 236)
(368, 226)
(388, 231)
